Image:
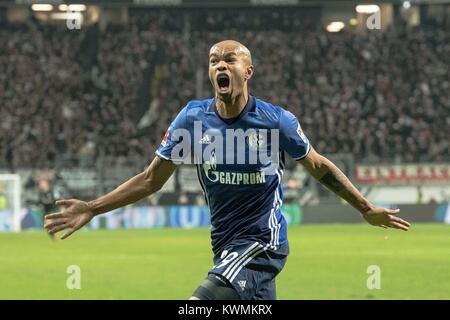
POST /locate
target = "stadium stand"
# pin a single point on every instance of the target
(87, 93)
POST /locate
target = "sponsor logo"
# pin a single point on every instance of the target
(242, 284)
(236, 178)
(205, 140)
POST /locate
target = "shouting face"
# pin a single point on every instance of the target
(230, 67)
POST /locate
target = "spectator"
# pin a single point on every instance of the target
(383, 96)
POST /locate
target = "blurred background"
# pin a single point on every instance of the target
(87, 90)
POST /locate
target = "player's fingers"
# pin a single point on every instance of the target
(57, 215)
(383, 226)
(58, 228)
(401, 221)
(396, 225)
(390, 211)
(50, 225)
(68, 234)
(64, 202)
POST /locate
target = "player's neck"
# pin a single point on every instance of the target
(233, 107)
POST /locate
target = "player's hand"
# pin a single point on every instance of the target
(76, 215)
(385, 218)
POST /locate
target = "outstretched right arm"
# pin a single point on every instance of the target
(79, 213)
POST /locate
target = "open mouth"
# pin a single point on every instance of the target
(223, 81)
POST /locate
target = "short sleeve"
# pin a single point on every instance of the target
(292, 139)
(173, 137)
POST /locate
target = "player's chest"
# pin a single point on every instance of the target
(233, 154)
(246, 144)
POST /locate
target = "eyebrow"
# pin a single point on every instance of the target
(226, 55)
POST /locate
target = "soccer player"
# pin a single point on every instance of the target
(248, 231)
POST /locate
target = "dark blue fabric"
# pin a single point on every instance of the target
(244, 198)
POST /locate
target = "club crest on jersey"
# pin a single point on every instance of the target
(256, 140)
(166, 136)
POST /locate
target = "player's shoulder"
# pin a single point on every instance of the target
(198, 105)
(270, 111)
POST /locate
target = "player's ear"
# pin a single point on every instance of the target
(249, 72)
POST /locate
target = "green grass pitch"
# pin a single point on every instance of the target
(326, 262)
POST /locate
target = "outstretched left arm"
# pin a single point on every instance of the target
(334, 179)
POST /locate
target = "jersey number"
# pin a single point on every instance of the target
(227, 260)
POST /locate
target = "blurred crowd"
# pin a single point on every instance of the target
(382, 96)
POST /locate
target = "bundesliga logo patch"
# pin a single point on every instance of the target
(164, 140)
(301, 134)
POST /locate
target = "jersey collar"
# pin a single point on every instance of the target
(249, 107)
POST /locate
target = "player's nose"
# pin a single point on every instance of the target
(221, 66)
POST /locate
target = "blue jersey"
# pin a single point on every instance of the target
(244, 196)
